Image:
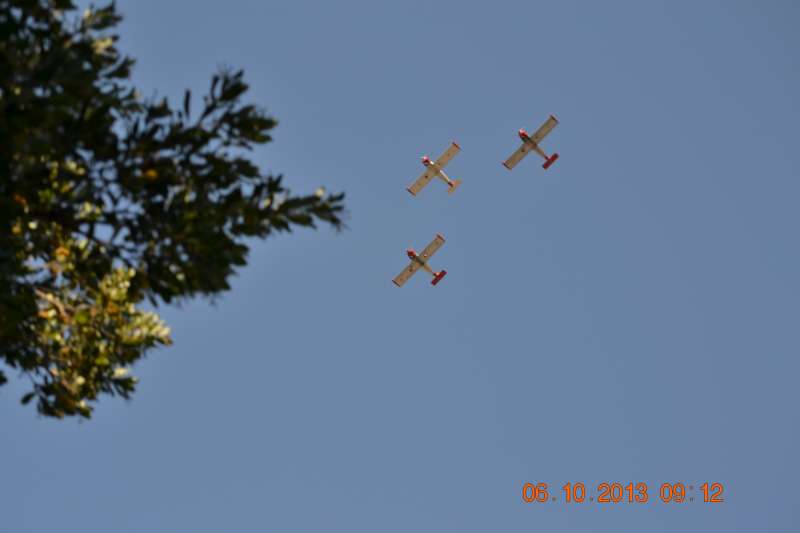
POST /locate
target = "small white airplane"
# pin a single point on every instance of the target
(435, 170)
(420, 261)
(531, 143)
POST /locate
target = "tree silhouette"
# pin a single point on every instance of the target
(107, 200)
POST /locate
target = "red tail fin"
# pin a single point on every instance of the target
(550, 161)
(438, 277)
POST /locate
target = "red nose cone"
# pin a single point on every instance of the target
(426, 160)
(523, 134)
(411, 253)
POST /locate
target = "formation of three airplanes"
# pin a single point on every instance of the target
(530, 143)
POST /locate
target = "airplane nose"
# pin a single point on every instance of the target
(426, 160)
(411, 253)
(523, 134)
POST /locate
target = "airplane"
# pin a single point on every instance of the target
(420, 261)
(532, 143)
(435, 170)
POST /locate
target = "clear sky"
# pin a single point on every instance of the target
(630, 314)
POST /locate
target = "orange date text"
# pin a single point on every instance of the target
(632, 492)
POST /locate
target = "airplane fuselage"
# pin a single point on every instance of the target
(439, 171)
(534, 146)
(417, 259)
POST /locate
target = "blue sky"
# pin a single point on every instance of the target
(629, 315)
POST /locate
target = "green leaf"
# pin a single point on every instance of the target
(82, 317)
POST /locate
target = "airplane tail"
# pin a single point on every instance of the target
(438, 277)
(550, 160)
(451, 190)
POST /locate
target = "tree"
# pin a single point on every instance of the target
(107, 201)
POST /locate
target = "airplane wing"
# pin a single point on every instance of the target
(422, 181)
(407, 272)
(432, 247)
(448, 154)
(544, 129)
(517, 156)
